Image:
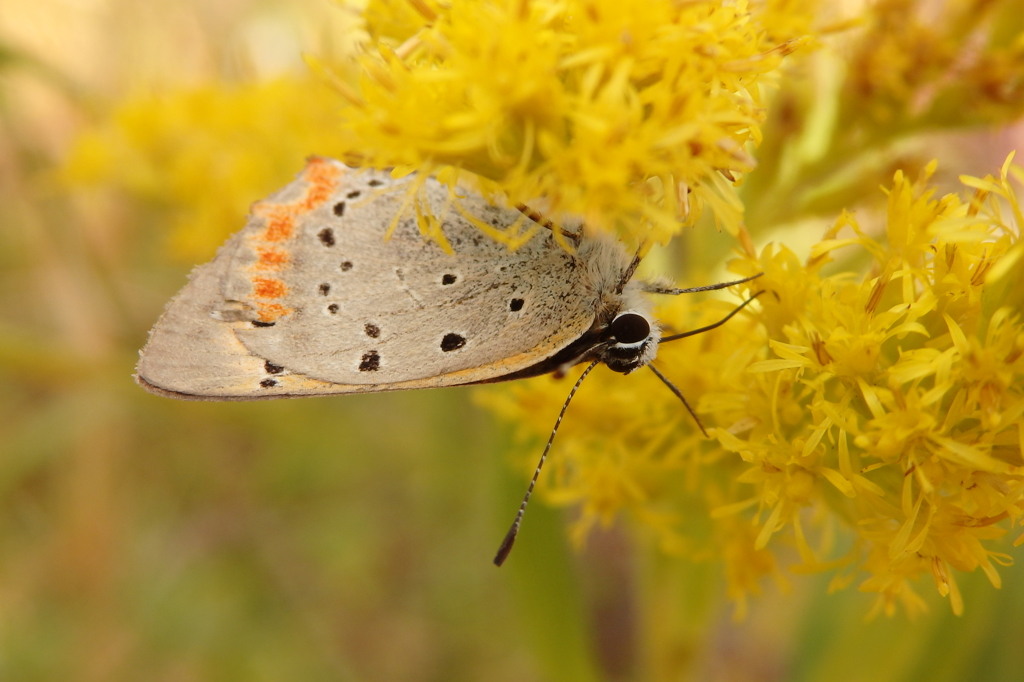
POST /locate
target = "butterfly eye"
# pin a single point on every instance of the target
(630, 328)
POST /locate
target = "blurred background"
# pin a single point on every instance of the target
(340, 538)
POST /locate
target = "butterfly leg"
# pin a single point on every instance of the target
(544, 222)
(679, 394)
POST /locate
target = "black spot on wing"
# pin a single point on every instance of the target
(271, 368)
(325, 289)
(258, 323)
(268, 383)
(353, 194)
(339, 209)
(333, 309)
(372, 330)
(370, 362)
(449, 279)
(375, 183)
(452, 342)
(516, 304)
(346, 266)
(326, 236)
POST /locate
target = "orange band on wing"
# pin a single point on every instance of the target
(280, 223)
(322, 178)
(268, 312)
(271, 259)
(265, 287)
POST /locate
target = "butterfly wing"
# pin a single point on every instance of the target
(309, 298)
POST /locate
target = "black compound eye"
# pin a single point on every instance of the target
(630, 328)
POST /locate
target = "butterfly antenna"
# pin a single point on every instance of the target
(673, 291)
(679, 394)
(694, 332)
(675, 337)
(510, 537)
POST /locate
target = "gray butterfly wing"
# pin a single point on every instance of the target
(192, 353)
(310, 299)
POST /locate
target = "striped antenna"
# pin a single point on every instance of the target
(510, 537)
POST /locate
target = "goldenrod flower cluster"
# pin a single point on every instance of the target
(953, 62)
(206, 154)
(881, 437)
(635, 118)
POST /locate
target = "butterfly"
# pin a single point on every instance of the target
(331, 288)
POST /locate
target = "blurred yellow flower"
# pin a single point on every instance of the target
(634, 116)
(207, 153)
(949, 63)
(890, 81)
(893, 408)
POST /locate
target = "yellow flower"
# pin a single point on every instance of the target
(207, 153)
(955, 63)
(892, 406)
(888, 80)
(634, 116)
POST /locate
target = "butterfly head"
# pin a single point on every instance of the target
(632, 341)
